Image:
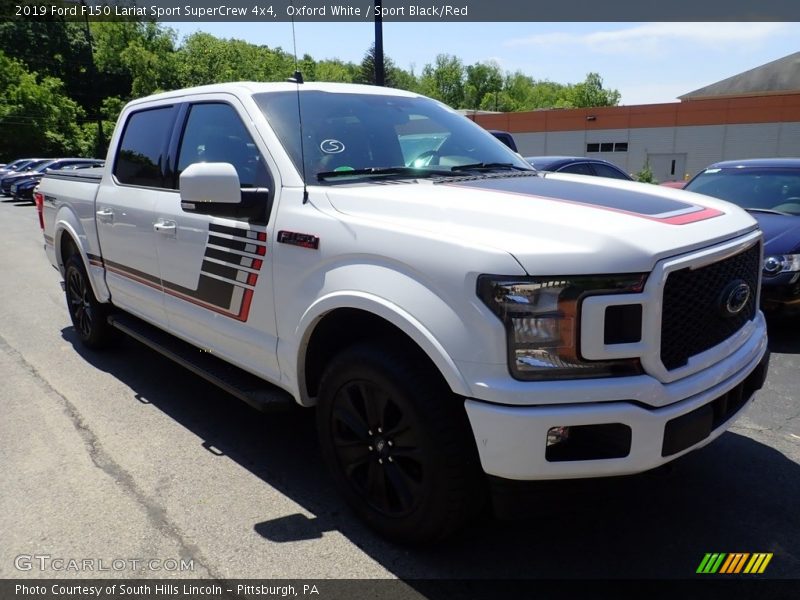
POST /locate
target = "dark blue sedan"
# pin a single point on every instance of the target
(768, 188)
(578, 165)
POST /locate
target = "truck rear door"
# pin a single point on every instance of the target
(124, 212)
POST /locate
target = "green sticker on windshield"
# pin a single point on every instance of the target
(344, 168)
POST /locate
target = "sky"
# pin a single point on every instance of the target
(647, 62)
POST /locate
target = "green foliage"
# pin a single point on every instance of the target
(444, 80)
(59, 84)
(394, 77)
(335, 71)
(36, 116)
(590, 92)
(483, 82)
(646, 174)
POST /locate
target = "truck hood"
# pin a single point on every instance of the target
(553, 224)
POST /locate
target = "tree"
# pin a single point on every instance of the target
(591, 93)
(646, 174)
(483, 80)
(444, 80)
(36, 116)
(335, 70)
(55, 48)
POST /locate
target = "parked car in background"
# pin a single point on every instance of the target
(52, 164)
(17, 165)
(678, 185)
(506, 138)
(768, 188)
(37, 166)
(22, 189)
(578, 165)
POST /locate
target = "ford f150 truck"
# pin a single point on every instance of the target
(449, 311)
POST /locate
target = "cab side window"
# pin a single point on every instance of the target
(142, 150)
(215, 133)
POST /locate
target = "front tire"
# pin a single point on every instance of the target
(398, 444)
(88, 315)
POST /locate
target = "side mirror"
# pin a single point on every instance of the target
(209, 182)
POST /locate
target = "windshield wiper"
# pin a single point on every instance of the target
(770, 211)
(496, 165)
(379, 171)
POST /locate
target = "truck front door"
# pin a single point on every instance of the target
(216, 268)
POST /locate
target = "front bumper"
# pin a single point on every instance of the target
(512, 440)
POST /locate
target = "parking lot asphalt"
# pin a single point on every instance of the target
(123, 455)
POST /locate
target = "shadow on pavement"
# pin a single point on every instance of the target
(736, 495)
(784, 334)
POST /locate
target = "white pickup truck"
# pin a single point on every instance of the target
(450, 312)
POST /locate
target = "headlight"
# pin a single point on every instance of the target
(542, 320)
(781, 263)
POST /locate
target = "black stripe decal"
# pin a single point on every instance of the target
(234, 244)
(139, 274)
(216, 292)
(237, 231)
(236, 259)
(582, 193)
(221, 270)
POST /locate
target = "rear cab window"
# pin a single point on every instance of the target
(142, 151)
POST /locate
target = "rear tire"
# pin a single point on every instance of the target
(88, 315)
(398, 444)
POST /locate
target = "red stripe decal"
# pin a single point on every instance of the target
(245, 310)
(252, 278)
(262, 236)
(700, 215)
(257, 262)
(261, 250)
(133, 277)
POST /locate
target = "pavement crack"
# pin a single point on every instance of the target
(103, 461)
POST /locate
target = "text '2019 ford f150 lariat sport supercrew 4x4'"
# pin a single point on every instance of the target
(449, 311)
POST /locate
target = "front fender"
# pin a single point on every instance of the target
(394, 314)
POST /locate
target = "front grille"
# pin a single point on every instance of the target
(693, 318)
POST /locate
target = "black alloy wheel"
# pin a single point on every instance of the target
(378, 449)
(87, 314)
(398, 443)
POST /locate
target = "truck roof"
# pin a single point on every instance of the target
(254, 87)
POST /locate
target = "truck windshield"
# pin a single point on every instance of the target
(369, 135)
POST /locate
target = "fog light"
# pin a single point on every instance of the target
(588, 442)
(556, 435)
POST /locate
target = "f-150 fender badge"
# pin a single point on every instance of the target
(304, 240)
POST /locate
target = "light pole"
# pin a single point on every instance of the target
(380, 75)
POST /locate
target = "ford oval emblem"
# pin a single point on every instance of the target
(734, 298)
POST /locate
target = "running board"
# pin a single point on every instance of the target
(247, 387)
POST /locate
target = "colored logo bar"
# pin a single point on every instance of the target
(735, 562)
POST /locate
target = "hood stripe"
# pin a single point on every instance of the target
(642, 205)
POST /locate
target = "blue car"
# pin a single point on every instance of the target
(579, 165)
(769, 189)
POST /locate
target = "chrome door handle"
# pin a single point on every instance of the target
(105, 214)
(165, 227)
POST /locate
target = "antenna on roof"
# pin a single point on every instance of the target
(297, 79)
